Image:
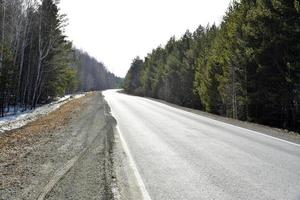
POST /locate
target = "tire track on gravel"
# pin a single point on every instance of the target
(62, 172)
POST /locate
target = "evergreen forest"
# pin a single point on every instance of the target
(246, 68)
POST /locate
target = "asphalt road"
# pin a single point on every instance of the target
(181, 155)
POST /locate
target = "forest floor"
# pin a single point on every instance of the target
(67, 154)
(20, 117)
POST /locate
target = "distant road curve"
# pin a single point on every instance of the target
(181, 155)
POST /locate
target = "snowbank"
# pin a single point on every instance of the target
(21, 119)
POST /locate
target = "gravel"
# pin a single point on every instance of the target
(66, 154)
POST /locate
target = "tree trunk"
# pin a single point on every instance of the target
(3, 34)
(233, 94)
(19, 89)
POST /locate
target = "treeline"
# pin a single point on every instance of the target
(93, 75)
(37, 63)
(247, 68)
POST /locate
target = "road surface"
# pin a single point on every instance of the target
(181, 155)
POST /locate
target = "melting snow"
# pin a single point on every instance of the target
(22, 118)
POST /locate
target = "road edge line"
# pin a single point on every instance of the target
(256, 132)
(133, 166)
(132, 163)
(226, 123)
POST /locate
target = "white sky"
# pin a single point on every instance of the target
(116, 31)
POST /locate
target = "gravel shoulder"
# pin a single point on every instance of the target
(30, 155)
(71, 153)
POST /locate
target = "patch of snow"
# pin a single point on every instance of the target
(22, 118)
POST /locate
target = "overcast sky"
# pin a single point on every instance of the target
(116, 31)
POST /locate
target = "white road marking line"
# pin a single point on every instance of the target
(138, 177)
(141, 184)
(132, 163)
(224, 123)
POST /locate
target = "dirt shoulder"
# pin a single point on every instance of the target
(64, 155)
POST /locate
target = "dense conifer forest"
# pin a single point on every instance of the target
(247, 68)
(37, 62)
(93, 75)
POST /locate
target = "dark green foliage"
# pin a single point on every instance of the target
(37, 63)
(272, 34)
(132, 83)
(248, 68)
